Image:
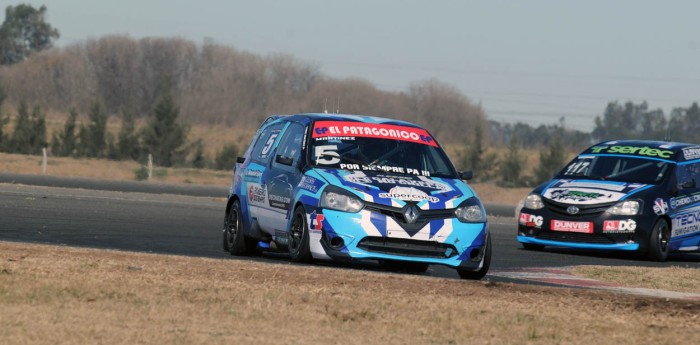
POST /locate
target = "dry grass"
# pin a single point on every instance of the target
(51, 295)
(125, 170)
(666, 278)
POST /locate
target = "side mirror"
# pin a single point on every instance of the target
(466, 175)
(283, 160)
(240, 160)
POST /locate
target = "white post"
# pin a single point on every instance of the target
(43, 162)
(150, 166)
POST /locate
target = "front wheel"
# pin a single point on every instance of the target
(476, 275)
(299, 237)
(659, 241)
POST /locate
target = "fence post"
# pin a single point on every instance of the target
(150, 166)
(43, 161)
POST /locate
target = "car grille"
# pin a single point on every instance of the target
(574, 237)
(407, 247)
(424, 216)
(584, 210)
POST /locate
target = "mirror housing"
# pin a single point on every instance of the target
(240, 160)
(466, 175)
(283, 160)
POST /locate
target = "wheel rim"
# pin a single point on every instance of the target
(296, 233)
(663, 238)
(232, 225)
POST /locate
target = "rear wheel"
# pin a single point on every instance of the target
(659, 241)
(475, 275)
(299, 237)
(234, 239)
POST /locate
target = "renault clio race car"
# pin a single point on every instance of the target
(640, 196)
(345, 187)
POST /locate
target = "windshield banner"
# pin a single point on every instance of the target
(324, 129)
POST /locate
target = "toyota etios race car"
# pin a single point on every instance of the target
(641, 196)
(349, 187)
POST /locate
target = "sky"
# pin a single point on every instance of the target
(523, 61)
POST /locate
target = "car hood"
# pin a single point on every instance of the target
(396, 189)
(590, 192)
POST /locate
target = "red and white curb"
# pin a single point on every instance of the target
(562, 276)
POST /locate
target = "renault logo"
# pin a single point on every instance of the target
(411, 214)
(572, 210)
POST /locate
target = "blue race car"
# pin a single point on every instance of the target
(345, 187)
(639, 196)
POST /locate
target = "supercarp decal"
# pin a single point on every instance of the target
(589, 192)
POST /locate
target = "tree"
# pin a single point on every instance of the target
(64, 142)
(128, 145)
(551, 160)
(24, 32)
(511, 165)
(164, 136)
(3, 120)
(226, 158)
(93, 138)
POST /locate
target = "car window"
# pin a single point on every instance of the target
(688, 175)
(290, 145)
(265, 144)
(617, 168)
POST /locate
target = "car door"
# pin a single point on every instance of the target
(284, 174)
(255, 173)
(685, 206)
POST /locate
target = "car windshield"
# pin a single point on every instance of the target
(617, 168)
(376, 147)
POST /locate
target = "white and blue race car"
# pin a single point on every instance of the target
(346, 187)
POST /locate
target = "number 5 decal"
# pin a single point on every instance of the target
(327, 155)
(268, 144)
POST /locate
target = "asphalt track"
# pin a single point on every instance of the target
(170, 221)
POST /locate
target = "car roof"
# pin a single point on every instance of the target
(680, 151)
(344, 117)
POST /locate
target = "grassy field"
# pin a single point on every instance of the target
(58, 295)
(126, 170)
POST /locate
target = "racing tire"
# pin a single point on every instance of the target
(408, 266)
(659, 241)
(235, 240)
(298, 244)
(476, 275)
(533, 247)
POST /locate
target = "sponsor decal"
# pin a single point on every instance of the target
(691, 153)
(385, 168)
(257, 195)
(421, 181)
(316, 221)
(278, 201)
(253, 173)
(633, 150)
(309, 183)
(525, 218)
(372, 130)
(619, 226)
(686, 223)
(660, 206)
(408, 194)
(563, 225)
(574, 195)
(686, 200)
(607, 186)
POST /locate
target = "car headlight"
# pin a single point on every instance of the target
(337, 199)
(533, 202)
(624, 208)
(471, 211)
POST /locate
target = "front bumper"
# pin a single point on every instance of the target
(372, 235)
(598, 232)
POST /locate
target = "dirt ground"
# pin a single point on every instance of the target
(59, 295)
